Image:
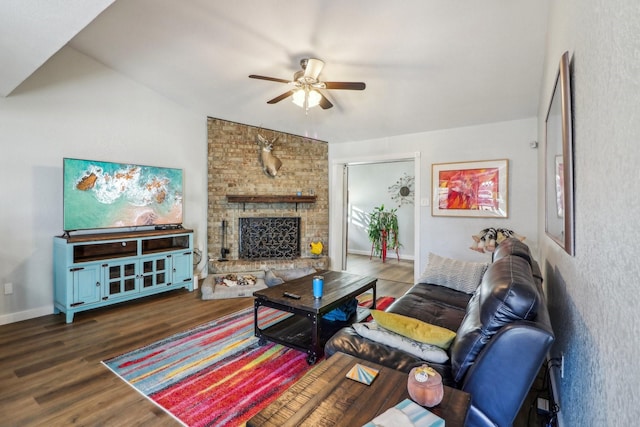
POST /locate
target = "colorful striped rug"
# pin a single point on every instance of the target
(382, 303)
(215, 374)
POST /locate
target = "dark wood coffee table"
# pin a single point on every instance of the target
(325, 396)
(306, 330)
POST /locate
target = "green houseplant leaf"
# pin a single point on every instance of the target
(383, 226)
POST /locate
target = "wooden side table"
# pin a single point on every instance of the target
(325, 396)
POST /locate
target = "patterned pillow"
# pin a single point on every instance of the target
(233, 279)
(462, 276)
(374, 332)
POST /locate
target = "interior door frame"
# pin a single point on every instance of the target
(339, 200)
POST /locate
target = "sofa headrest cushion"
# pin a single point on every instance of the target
(507, 293)
(513, 246)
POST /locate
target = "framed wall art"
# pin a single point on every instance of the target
(559, 162)
(470, 189)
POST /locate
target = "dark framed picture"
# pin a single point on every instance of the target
(559, 204)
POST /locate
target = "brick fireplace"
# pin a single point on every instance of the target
(234, 169)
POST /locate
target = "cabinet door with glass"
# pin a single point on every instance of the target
(120, 279)
(155, 271)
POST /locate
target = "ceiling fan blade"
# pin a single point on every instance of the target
(313, 68)
(271, 79)
(345, 85)
(324, 102)
(280, 97)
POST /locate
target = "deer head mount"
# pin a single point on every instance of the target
(270, 163)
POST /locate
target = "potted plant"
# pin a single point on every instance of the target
(383, 232)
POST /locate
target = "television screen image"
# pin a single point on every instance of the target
(114, 195)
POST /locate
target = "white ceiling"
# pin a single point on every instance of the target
(428, 64)
(31, 31)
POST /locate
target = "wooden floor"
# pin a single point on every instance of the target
(391, 269)
(50, 371)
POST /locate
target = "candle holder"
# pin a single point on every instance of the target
(425, 386)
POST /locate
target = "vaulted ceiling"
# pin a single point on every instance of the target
(427, 64)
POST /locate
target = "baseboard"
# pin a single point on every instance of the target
(389, 254)
(358, 252)
(25, 315)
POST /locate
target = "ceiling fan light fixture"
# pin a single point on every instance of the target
(313, 98)
(306, 84)
(306, 98)
(298, 98)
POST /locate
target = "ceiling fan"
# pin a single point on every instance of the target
(306, 84)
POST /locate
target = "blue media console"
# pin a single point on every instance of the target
(95, 270)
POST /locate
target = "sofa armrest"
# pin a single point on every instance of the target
(504, 371)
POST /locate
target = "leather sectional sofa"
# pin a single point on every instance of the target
(503, 334)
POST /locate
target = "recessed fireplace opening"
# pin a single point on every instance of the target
(269, 238)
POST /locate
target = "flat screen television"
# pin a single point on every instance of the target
(100, 195)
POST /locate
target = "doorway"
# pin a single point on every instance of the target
(349, 212)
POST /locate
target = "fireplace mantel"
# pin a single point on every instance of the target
(293, 198)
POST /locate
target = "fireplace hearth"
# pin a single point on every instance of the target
(264, 238)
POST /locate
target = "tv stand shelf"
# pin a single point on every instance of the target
(94, 270)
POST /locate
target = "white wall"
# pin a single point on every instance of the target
(594, 296)
(75, 107)
(369, 188)
(449, 236)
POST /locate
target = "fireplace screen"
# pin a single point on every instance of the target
(269, 238)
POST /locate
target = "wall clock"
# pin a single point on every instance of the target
(402, 191)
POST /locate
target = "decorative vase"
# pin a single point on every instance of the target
(425, 386)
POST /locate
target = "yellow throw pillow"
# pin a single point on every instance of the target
(415, 329)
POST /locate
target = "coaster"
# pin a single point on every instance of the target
(363, 374)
